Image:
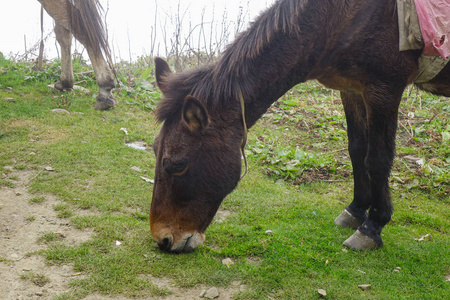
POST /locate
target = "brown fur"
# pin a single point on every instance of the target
(348, 45)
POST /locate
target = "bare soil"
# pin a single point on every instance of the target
(25, 274)
(22, 224)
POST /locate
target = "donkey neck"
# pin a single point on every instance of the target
(269, 58)
(293, 41)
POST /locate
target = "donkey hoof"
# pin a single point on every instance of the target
(104, 104)
(359, 241)
(59, 86)
(347, 220)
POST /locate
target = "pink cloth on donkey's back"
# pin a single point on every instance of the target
(434, 19)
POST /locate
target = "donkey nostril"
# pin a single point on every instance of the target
(165, 245)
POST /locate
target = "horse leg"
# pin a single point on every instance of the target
(105, 78)
(60, 10)
(64, 38)
(382, 112)
(355, 111)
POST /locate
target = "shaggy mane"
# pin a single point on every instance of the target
(218, 85)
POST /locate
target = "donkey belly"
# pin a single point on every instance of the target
(440, 85)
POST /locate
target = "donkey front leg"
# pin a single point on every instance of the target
(382, 111)
(355, 214)
(64, 38)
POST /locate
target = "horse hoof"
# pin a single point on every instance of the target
(104, 104)
(59, 86)
(347, 220)
(359, 241)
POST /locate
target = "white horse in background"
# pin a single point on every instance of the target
(81, 18)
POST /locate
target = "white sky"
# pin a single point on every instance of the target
(129, 23)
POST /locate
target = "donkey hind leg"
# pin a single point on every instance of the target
(382, 112)
(104, 77)
(64, 38)
(355, 214)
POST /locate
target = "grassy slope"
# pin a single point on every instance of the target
(93, 174)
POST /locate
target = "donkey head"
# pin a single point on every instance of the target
(198, 162)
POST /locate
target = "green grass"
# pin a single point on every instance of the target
(48, 237)
(299, 181)
(38, 199)
(36, 278)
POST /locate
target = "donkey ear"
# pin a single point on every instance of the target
(195, 115)
(162, 71)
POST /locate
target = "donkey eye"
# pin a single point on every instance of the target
(175, 168)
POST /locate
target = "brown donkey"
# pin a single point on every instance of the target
(351, 46)
(82, 19)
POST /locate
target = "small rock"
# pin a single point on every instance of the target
(49, 169)
(365, 287)
(32, 153)
(60, 110)
(447, 278)
(136, 169)
(39, 294)
(345, 250)
(227, 262)
(81, 89)
(322, 292)
(202, 293)
(269, 232)
(211, 293)
(397, 269)
(18, 193)
(9, 99)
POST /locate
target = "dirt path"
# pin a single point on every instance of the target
(21, 225)
(25, 275)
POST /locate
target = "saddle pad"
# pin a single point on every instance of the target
(408, 25)
(434, 20)
(412, 38)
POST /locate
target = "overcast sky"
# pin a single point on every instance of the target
(130, 23)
